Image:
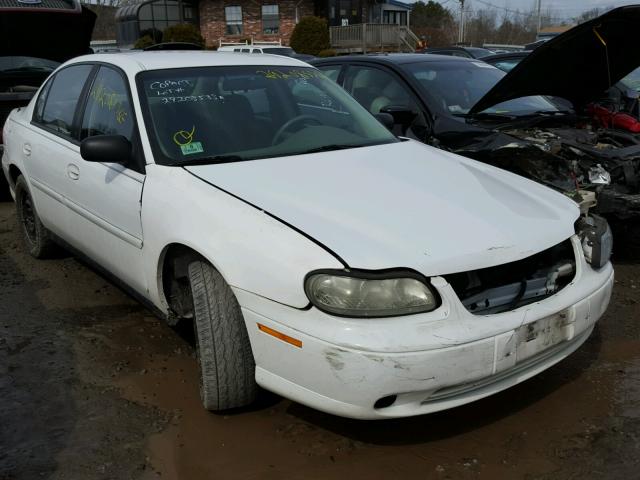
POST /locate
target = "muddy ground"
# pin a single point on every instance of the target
(92, 386)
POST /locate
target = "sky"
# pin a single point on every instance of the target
(564, 8)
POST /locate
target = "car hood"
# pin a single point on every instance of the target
(403, 205)
(578, 65)
(53, 34)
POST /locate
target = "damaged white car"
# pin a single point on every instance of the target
(319, 256)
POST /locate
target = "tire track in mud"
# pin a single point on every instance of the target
(58, 417)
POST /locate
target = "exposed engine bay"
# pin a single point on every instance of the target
(569, 156)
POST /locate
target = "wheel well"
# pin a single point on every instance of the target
(14, 173)
(174, 276)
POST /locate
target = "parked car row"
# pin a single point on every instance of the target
(539, 120)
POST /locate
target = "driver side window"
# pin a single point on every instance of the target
(108, 111)
(376, 89)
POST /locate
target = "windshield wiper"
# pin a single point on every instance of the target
(208, 160)
(552, 112)
(486, 116)
(331, 148)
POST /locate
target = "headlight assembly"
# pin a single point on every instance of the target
(596, 238)
(366, 294)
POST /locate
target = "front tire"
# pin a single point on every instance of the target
(35, 236)
(227, 366)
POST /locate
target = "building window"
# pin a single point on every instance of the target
(391, 16)
(233, 16)
(270, 19)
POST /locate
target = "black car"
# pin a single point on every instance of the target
(464, 52)
(510, 120)
(36, 37)
(506, 61)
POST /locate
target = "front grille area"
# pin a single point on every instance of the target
(512, 285)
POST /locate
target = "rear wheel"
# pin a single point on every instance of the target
(227, 367)
(36, 237)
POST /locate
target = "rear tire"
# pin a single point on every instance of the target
(227, 366)
(37, 239)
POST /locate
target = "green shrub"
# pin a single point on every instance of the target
(327, 53)
(310, 36)
(144, 42)
(154, 33)
(184, 32)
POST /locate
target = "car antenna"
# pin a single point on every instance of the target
(606, 53)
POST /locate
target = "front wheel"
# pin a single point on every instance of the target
(36, 237)
(227, 366)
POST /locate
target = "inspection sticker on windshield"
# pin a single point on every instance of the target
(191, 148)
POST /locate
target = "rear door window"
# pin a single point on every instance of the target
(62, 99)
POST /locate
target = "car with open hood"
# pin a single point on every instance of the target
(318, 255)
(35, 38)
(515, 120)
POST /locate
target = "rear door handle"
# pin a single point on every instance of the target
(26, 149)
(73, 172)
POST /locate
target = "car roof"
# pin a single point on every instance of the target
(133, 62)
(392, 58)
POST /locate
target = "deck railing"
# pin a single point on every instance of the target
(373, 37)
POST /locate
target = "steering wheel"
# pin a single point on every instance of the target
(287, 125)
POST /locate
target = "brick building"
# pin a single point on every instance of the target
(239, 20)
(265, 20)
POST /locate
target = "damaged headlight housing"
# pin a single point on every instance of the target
(596, 238)
(370, 294)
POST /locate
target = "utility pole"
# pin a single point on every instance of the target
(461, 28)
(539, 15)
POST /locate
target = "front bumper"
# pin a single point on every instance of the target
(429, 362)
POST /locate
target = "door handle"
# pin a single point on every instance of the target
(26, 149)
(73, 172)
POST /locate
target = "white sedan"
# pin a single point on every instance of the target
(319, 256)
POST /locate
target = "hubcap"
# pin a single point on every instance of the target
(28, 218)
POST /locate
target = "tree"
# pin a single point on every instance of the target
(590, 14)
(433, 22)
(310, 36)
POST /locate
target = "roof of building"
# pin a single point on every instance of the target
(398, 3)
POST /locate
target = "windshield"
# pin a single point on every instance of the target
(632, 80)
(27, 64)
(280, 51)
(458, 86)
(234, 113)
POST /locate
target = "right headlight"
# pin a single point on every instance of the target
(370, 294)
(596, 238)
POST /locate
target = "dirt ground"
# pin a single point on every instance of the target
(92, 386)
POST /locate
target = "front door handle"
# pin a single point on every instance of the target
(26, 149)
(73, 172)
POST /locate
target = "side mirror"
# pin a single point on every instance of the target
(106, 148)
(385, 119)
(402, 115)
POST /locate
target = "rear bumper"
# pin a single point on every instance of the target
(348, 380)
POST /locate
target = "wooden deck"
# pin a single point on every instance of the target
(372, 37)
